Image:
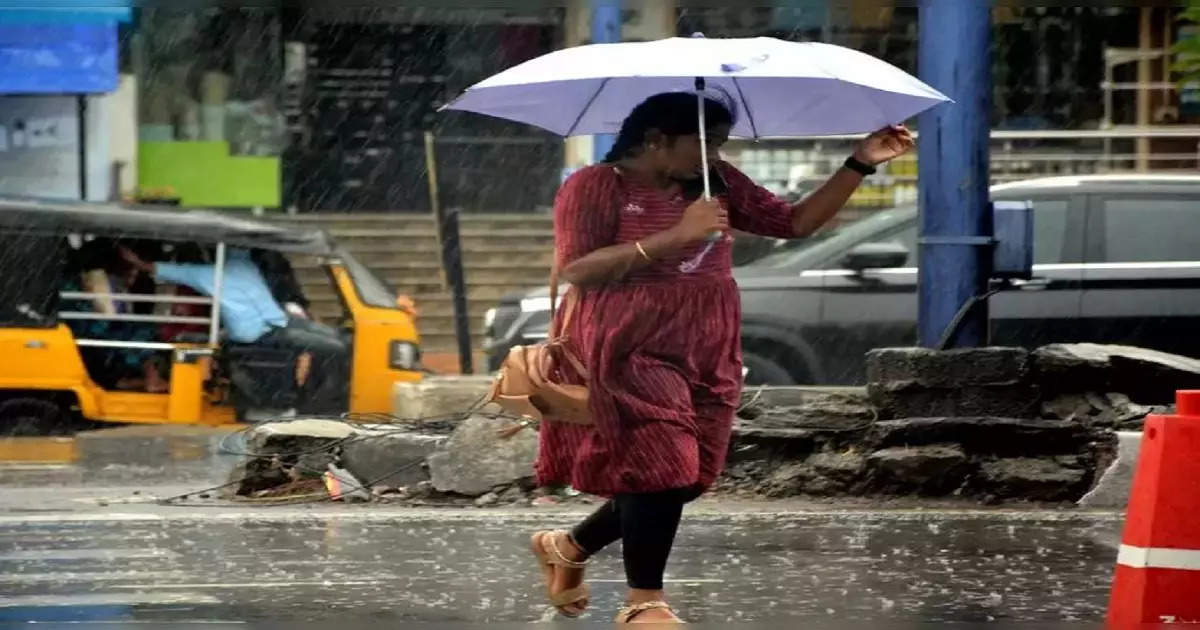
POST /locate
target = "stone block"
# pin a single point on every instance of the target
(1031, 479)
(439, 397)
(903, 368)
(928, 470)
(840, 467)
(474, 460)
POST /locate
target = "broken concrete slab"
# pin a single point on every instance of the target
(987, 435)
(474, 460)
(1114, 484)
(1147, 376)
(928, 470)
(285, 452)
(439, 397)
(393, 458)
(1014, 401)
(1110, 410)
(796, 408)
(1029, 478)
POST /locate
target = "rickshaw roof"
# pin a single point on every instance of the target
(141, 222)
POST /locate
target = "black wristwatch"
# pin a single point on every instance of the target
(859, 167)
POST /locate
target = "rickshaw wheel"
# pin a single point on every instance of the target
(30, 417)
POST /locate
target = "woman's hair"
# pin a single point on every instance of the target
(673, 114)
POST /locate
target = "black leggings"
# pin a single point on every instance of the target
(645, 524)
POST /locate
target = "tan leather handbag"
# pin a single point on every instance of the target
(526, 386)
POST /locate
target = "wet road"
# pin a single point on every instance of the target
(368, 564)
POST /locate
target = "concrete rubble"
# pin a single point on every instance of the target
(988, 425)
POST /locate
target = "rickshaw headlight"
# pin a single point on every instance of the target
(404, 355)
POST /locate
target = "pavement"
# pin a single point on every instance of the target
(87, 541)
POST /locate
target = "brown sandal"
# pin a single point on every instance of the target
(628, 613)
(547, 561)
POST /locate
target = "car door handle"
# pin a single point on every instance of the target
(1032, 284)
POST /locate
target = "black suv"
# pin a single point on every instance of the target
(1116, 260)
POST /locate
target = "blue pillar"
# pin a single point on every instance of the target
(606, 29)
(954, 57)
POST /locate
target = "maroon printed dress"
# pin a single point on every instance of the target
(662, 345)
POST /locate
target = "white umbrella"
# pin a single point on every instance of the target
(780, 88)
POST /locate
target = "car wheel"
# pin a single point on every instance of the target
(30, 417)
(763, 371)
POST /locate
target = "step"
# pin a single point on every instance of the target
(380, 241)
(430, 233)
(371, 218)
(434, 266)
(332, 311)
(415, 281)
(446, 342)
(423, 291)
(391, 255)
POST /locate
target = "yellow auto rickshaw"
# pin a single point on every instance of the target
(47, 379)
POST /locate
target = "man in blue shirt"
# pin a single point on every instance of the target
(251, 315)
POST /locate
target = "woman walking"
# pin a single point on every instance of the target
(656, 322)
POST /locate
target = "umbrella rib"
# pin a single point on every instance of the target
(585, 109)
(746, 107)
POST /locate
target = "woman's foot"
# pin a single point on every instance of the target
(643, 610)
(562, 563)
(647, 606)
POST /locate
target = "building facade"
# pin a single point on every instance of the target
(330, 110)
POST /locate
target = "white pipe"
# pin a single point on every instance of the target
(136, 297)
(156, 319)
(214, 327)
(140, 345)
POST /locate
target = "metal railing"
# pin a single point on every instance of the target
(793, 166)
(213, 321)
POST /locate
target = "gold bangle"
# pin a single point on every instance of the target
(642, 251)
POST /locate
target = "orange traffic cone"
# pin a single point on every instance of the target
(1158, 567)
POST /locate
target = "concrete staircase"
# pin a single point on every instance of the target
(501, 254)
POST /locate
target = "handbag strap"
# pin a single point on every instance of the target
(568, 301)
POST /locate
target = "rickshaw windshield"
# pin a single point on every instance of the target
(371, 289)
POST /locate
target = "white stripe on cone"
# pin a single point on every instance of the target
(1159, 558)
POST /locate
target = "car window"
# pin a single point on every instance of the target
(1049, 231)
(1150, 230)
(1049, 234)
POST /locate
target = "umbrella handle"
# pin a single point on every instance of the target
(715, 236)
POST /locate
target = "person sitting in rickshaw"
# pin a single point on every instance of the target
(252, 315)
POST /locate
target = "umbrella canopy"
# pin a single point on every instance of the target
(780, 88)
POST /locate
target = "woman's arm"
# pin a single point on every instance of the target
(815, 210)
(757, 210)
